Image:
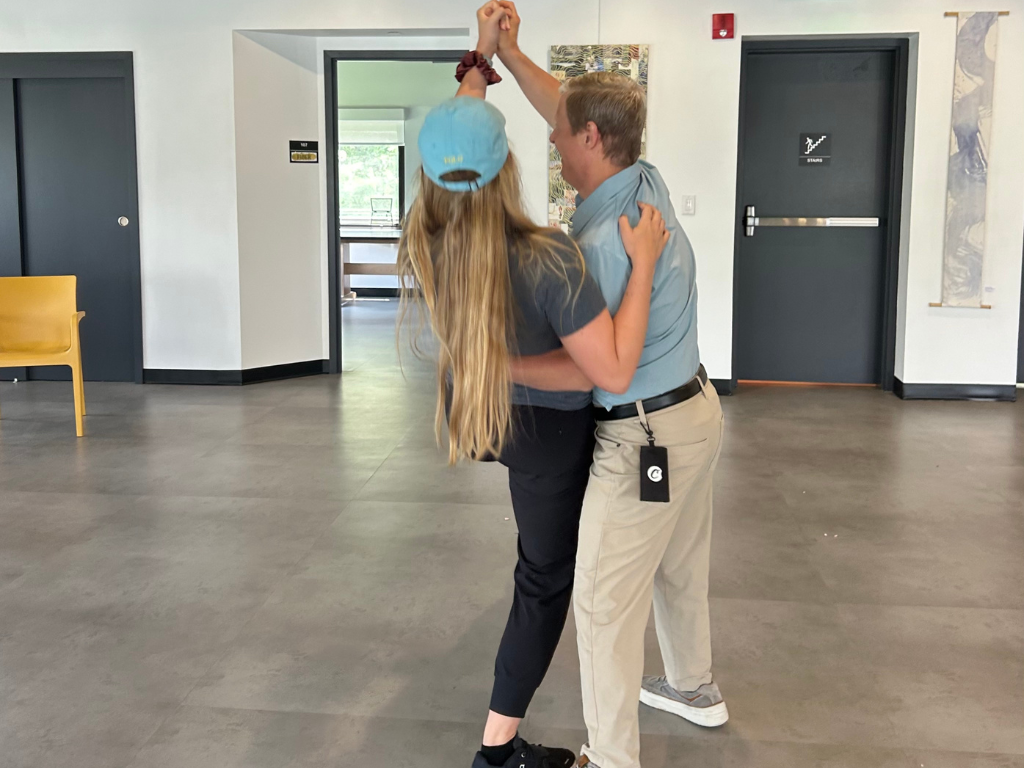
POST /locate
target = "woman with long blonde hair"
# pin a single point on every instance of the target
(496, 286)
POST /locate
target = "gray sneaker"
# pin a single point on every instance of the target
(704, 706)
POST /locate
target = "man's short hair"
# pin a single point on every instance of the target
(616, 104)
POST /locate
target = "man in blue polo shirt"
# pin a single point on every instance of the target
(645, 532)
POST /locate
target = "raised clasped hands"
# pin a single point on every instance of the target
(498, 22)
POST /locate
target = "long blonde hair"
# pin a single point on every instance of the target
(455, 249)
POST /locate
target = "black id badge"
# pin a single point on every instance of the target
(653, 473)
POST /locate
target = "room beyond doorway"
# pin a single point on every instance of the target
(376, 103)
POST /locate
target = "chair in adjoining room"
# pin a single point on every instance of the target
(39, 320)
(381, 211)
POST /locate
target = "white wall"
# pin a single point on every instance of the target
(278, 201)
(692, 136)
(190, 208)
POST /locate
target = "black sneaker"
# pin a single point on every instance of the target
(531, 756)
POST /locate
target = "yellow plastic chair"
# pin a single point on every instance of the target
(39, 326)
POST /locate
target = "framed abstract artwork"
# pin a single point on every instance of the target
(568, 61)
(967, 179)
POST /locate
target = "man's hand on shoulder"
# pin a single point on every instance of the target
(645, 242)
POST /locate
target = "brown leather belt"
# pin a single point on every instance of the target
(680, 395)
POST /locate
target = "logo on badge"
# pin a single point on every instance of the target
(655, 474)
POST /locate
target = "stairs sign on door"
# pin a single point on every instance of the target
(816, 148)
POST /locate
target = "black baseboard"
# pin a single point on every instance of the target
(234, 378)
(1002, 393)
(376, 293)
(724, 386)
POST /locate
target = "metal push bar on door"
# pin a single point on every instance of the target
(752, 221)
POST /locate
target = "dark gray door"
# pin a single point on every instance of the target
(75, 168)
(815, 143)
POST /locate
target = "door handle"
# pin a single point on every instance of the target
(752, 221)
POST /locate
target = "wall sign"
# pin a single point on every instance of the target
(723, 26)
(816, 148)
(303, 151)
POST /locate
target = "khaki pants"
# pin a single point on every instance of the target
(631, 551)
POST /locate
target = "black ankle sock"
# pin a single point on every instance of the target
(498, 755)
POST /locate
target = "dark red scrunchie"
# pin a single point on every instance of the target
(476, 60)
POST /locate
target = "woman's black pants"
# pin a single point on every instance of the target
(548, 462)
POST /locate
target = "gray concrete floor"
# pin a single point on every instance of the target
(286, 574)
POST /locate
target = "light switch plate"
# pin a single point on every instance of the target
(689, 205)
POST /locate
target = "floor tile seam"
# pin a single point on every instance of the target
(219, 658)
(10, 585)
(914, 751)
(391, 450)
(293, 570)
(724, 736)
(447, 505)
(39, 563)
(878, 604)
(271, 589)
(1010, 611)
(289, 569)
(284, 447)
(152, 735)
(207, 497)
(822, 603)
(906, 751)
(319, 499)
(219, 446)
(789, 514)
(358, 494)
(179, 410)
(815, 561)
(122, 443)
(914, 515)
(340, 714)
(267, 410)
(838, 744)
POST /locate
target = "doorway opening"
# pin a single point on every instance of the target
(822, 126)
(376, 102)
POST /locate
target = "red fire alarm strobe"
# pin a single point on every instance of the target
(722, 26)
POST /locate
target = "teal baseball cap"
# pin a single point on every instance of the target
(463, 134)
